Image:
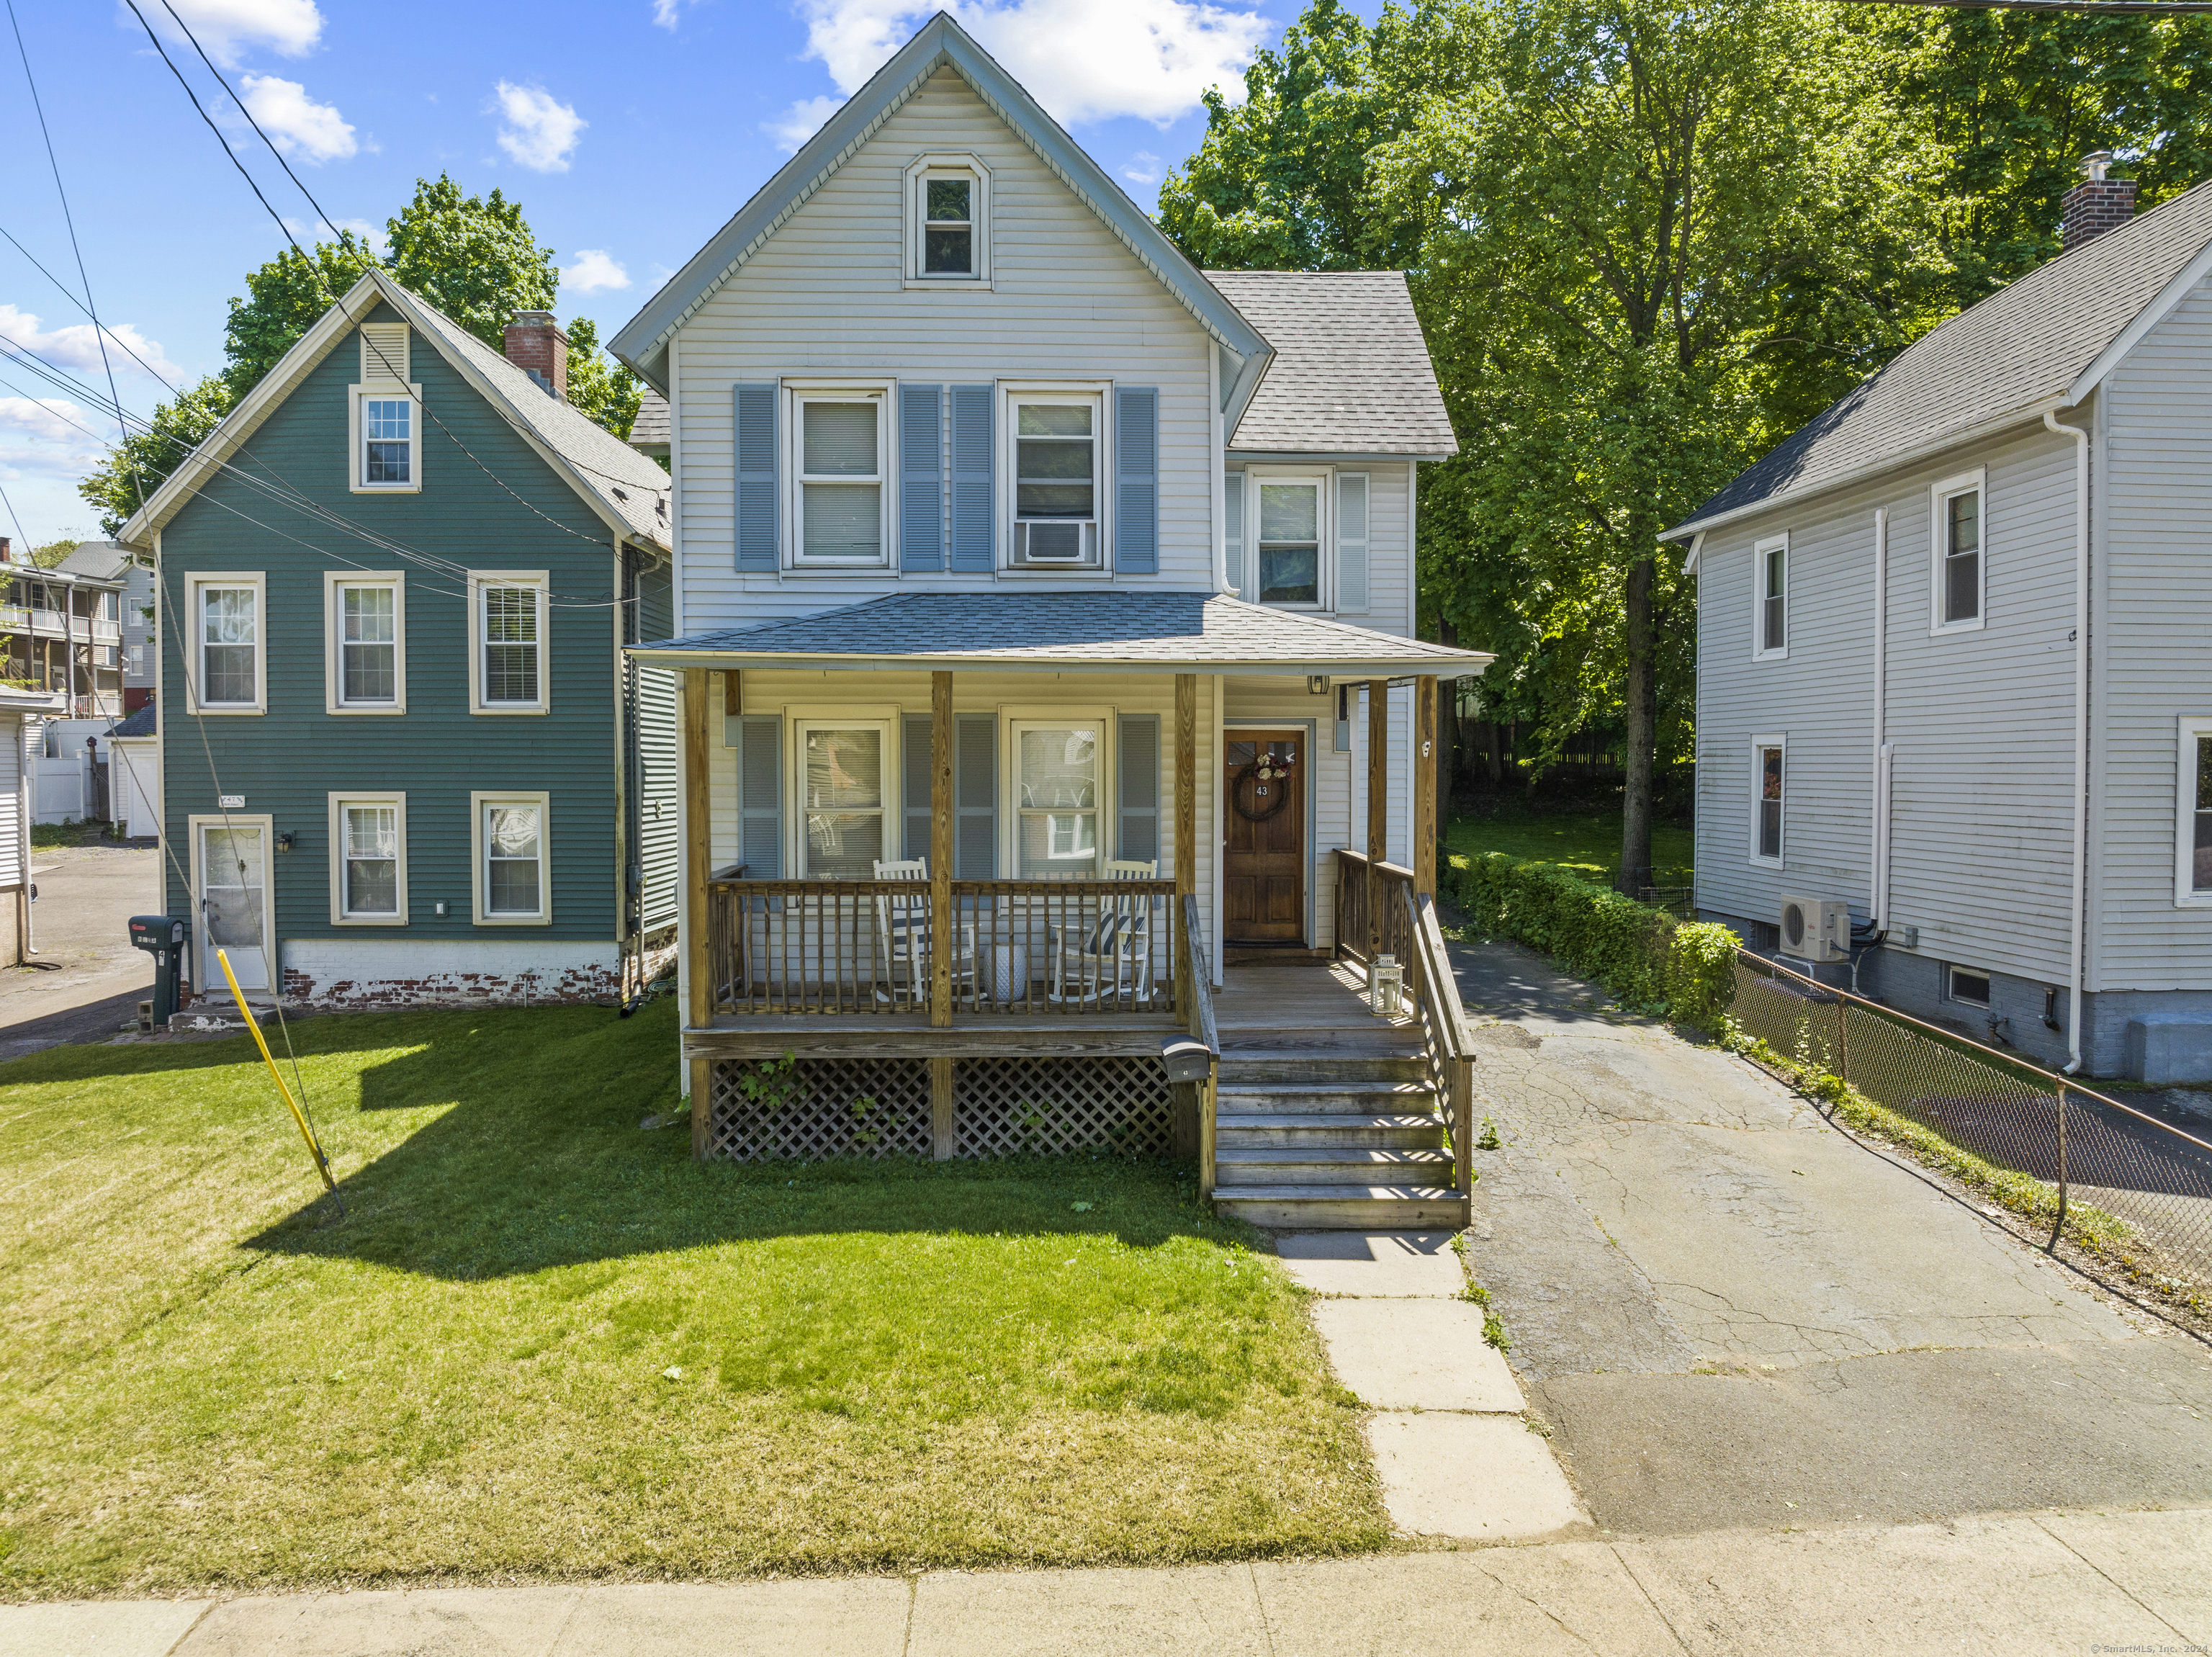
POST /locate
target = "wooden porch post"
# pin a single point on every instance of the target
(1378, 805)
(1186, 828)
(698, 848)
(1424, 787)
(943, 925)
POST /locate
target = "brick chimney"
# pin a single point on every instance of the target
(2097, 204)
(536, 344)
(4, 557)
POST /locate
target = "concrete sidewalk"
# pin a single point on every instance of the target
(2012, 1586)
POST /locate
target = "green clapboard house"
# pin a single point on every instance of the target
(403, 758)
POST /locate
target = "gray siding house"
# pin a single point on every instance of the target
(403, 757)
(1951, 668)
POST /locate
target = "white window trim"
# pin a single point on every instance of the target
(1976, 481)
(1012, 721)
(1011, 391)
(876, 717)
(334, 700)
(1951, 970)
(482, 798)
(539, 579)
(1775, 739)
(1759, 596)
(339, 801)
(980, 217)
(795, 394)
(1324, 477)
(2189, 727)
(195, 642)
(357, 459)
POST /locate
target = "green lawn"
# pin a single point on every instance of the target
(1585, 840)
(542, 1343)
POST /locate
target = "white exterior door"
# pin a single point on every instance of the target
(230, 865)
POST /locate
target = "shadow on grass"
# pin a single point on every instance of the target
(539, 1161)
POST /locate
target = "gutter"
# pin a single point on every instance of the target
(2078, 919)
(1885, 750)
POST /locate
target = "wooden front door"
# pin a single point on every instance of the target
(1264, 847)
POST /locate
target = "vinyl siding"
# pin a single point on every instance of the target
(2152, 563)
(287, 761)
(1389, 607)
(1981, 804)
(824, 295)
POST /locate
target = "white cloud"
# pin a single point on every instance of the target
(296, 123)
(325, 230)
(47, 423)
(79, 347)
(801, 121)
(228, 27)
(1143, 167)
(594, 271)
(37, 442)
(538, 130)
(1084, 60)
(665, 13)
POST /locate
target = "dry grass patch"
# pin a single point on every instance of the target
(541, 1343)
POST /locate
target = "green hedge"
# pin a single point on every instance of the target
(1644, 955)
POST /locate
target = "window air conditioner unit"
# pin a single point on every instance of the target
(1816, 929)
(1055, 541)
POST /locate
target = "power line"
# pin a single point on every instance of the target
(2087, 8)
(121, 341)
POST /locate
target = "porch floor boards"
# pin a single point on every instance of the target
(1308, 1004)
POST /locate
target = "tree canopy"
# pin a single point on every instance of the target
(604, 391)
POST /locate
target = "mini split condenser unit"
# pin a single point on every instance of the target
(1816, 929)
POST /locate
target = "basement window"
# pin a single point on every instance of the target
(1968, 986)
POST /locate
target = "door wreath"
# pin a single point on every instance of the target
(1266, 770)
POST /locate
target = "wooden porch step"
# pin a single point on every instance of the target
(1376, 1130)
(1242, 1066)
(1280, 1099)
(1331, 1164)
(1344, 1208)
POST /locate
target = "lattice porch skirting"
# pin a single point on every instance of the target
(874, 1108)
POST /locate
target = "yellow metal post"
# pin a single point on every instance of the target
(322, 1162)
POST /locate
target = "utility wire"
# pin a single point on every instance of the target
(122, 344)
(2087, 8)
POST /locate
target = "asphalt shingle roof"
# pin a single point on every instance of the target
(649, 431)
(1183, 632)
(1351, 373)
(141, 723)
(98, 561)
(2022, 346)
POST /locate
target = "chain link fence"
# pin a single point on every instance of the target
(2134, 1188)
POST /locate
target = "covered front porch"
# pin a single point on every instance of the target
(951, 885)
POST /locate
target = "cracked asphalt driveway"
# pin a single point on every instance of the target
(1732, 1314)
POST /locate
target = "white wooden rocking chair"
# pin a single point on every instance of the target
(902, 939)
(1113, 960)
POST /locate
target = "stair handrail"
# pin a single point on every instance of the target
(1439, 989)
(1203, 1031)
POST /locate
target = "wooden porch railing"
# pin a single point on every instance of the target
(1352, 914)
(1046, 948)
(1202, 1029)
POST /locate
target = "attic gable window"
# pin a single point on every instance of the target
(947, 225)
(383, 417)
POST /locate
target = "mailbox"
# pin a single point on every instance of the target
(162, 936)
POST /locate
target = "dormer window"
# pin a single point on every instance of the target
(947, 202)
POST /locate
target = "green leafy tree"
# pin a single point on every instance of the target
(604, 391)
(1647, 214)
(135, 468)
(48, 555)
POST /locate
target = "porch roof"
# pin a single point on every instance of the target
(1068, 632)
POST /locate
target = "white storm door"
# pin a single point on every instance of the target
(231, 862)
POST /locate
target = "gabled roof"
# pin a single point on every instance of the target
(625, 489)
(648, 432)
(143, 723)
(2045, 342)
(1068, 632)
(1351, 372)
(98, 561)
(643, 341)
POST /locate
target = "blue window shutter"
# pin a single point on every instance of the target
(975, 796)
(972, 549)
(757, 490)
(1140, 803)
(1233, 529)
(913, 766)
(1351, 541)
(921, 478)
(1137, 480)
(760, 795)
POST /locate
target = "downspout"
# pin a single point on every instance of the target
(2081, 734)
(1878, 899)
(1218, 486)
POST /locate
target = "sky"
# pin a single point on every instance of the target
(629, 130)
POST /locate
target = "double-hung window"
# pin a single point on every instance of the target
(369, 862)
(514, 859)
(385, 417)
(1770, 624)
(947, 204)
(1058, 768)
(228, 670)
(840, 441)
(1293, 530)
(841, 767)
(1767, 754)
(508, 625)
(365, 614)
(2192, 837)
(1959, 520)
(1056, 478)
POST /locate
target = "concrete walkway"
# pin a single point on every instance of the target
(2011, 1586)
(1731, 1314)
